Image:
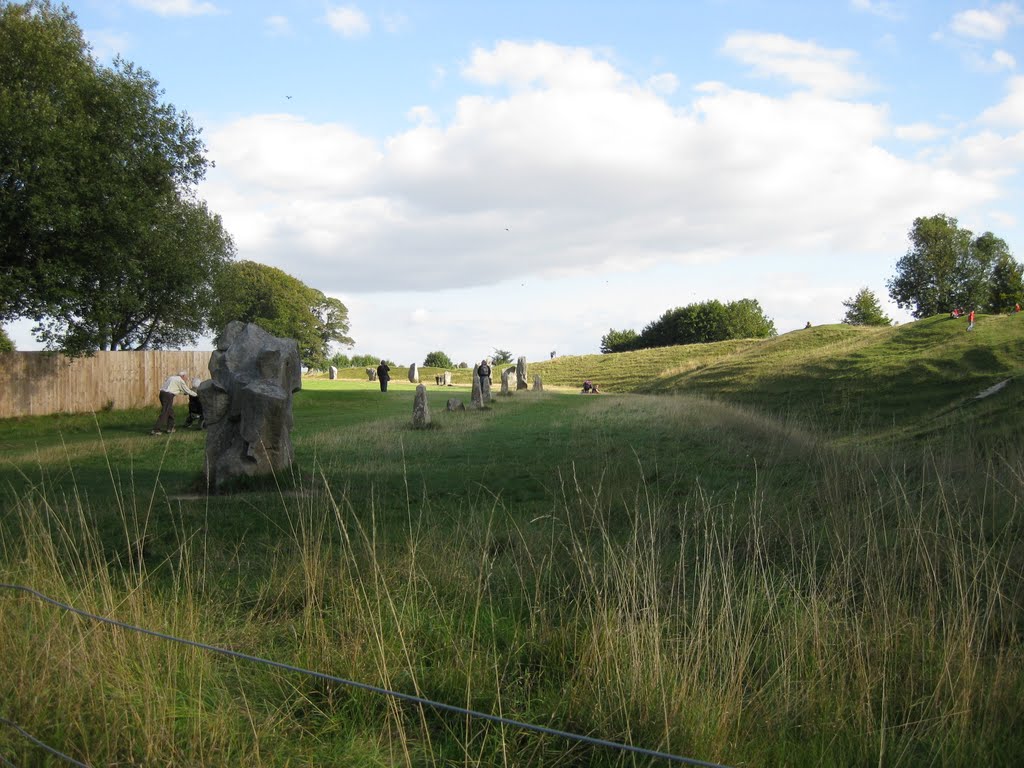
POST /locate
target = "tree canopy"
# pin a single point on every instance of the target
(101, 238)
(864, 309)
(437, 360)
(501, 356)
(695, 324)
(946, 267)
(281, 305)
(6, 345)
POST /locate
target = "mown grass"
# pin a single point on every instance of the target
(730, 582)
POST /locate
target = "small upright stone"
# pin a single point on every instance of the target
(371, 374)
(420, 408)
(521, 374)
(454, 404)
(447, 378)
(332, 373)
(538, 385)
(414, 374)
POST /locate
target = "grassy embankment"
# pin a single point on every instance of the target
(810, 553)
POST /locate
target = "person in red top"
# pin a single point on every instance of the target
(970, 321)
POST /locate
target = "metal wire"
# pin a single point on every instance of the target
(371, 688)
(37, 742)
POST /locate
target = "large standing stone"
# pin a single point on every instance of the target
(414, 374)
(247, 403)
(485, 389)
(420, 408)
(521, 374)
(332, 373)
(447, 378)
(371, 374)
(538, 385)
(476, 399)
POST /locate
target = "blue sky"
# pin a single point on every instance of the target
(468, 176)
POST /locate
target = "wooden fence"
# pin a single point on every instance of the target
(40, 383)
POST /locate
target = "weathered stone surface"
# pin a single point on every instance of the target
(454, 404)
(521, 374)
(485, 389)
(538, 385)
(506, 377)
(447, 378)
(476, 399)
(247, 403)
(332, 373)
(371, 374)
(420, 408)
(414, 374)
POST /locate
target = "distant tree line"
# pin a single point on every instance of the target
(699, 323)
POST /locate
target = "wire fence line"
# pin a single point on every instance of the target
(39, 743)
(406, 697)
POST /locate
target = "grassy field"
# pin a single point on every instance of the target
(799, 551)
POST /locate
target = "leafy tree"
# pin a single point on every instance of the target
(945, 267)
(463, 365)
(1007, 284)
(745, 319)
(101, 240)
(501, 356)
(283, 306)
(864, 309)
(6, 345)
(618, 341)
(437, 360)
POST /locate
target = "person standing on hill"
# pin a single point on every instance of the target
(383, 375)
(970, 321)
(175, 385)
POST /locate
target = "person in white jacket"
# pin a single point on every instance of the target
(175, 385)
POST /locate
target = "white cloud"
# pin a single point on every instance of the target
(106, 45)
(883, 8)
(348, 21)
(664, 83)
(577, 169)
(918, 132)
(990, 24)
(1010, 111)
(804, 64)
(277, 25)
(1003, 60)
(177, 7)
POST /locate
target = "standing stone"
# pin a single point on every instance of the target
(447, 378)
(538, 385)
(420, 408)
(332, 373)
(371, 374)
(454, 404)
(506, 375)
(521, 374)
(247, 403)
(414, 374)
(485, 389)
(476, 399)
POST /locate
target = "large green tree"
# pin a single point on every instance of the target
(437, 360)
(945, 267)
(619, 341)
(283, 306)
(1007, 284)
(101, 238)
(864, 309)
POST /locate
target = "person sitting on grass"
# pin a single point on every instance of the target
(587, 387)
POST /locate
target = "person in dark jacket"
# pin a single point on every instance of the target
(484, 372)
(383, 375)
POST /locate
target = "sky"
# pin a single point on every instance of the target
(472, 175)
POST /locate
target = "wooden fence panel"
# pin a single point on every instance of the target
(41, 383)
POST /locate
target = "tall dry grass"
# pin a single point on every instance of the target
(871, 618)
